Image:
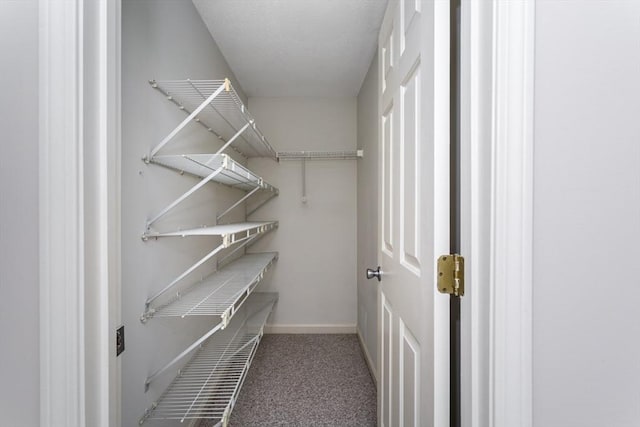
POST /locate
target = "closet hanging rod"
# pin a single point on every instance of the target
(320, 155)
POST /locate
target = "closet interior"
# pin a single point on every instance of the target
(226, 237)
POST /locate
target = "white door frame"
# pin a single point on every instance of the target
(79, 122)
(79, 226)
(497, 220)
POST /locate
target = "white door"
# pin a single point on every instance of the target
(414, 213)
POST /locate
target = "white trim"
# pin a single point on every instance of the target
(476, 143)
(367, 357)
(310, 329)
(510, 370)
(79, 139)
(101, 36)
(61, 212)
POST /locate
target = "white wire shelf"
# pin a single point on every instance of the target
(209, 384)
(224, 114)
(220, 294)
(233, 173)
(230, 233)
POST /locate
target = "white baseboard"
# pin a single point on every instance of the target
(367, 358)
(310, 329)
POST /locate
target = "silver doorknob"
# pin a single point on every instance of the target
(374, 273)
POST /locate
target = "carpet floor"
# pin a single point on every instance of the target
(307, 380)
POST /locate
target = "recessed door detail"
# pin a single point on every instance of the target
(409, 375)
(387, 58)
(410, 8)
(386, 386)
(410, 171)
(388, 178)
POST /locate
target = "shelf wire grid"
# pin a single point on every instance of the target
(209, 384)
(225, 115)
(222, 293)
(201, 165)
(229, 232)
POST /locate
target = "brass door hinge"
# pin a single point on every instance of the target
(451, 274)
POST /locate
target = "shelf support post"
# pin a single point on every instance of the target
(233, 138)
(188, 350)
(187, 194)
(259, 205)
(236, 204)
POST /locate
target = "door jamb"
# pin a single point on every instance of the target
(497, 213)
(79, 218)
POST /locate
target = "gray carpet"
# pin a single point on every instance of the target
(307, 380)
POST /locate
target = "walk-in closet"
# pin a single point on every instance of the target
(246, 178)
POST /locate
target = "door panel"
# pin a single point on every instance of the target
(409, 172)
(414, 213)
(387, 188)
(409, 373)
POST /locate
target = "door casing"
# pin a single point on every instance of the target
(79, 160)
(497, 206)
(485, 31)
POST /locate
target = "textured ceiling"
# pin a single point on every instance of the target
(296, 47)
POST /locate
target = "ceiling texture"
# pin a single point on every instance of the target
(296, 47)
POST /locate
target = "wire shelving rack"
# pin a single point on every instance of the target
(208, 385)
(221, 294)
(217, 168)
(216, 105)
(232, 174)
(231, 234)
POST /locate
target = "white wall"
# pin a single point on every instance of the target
(19, 315)
(316, 272)
(161, 40)
(368, 210)
(587, 214)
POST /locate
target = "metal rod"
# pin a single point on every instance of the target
(227, 86)
(242, 110)
(233, 138)
(185, 121)
(248, 117)
(213, 370)
(259, 205)
(246, 196)
(188, 350)
(185, 195)
(171, 98)
(245, 371)
(183, 275)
